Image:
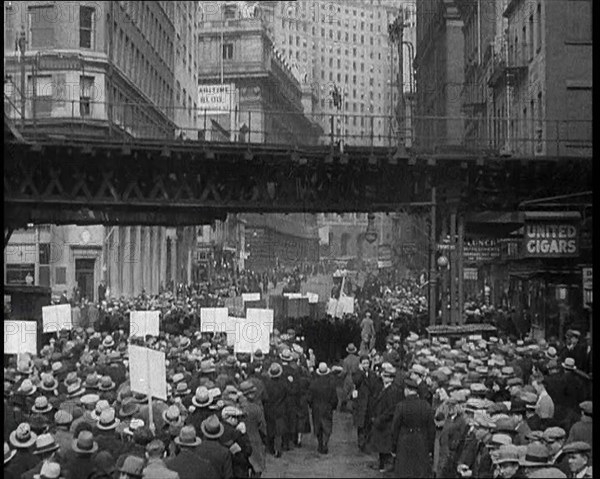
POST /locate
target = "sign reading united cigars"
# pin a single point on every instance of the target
(551, 239)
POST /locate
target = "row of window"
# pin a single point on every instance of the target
(41, 24)
(134, 118)
(141, 70)
(151, 27)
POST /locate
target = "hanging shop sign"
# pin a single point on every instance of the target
(478, 250)
(216, 98)
(586, 277)
(551, 239)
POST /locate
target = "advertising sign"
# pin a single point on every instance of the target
(56, 318)
(544, 239)
(216, 98)
(478, 250)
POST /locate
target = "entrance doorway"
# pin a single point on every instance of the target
(84, 275)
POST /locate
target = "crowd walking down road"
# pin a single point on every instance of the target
(416, 407)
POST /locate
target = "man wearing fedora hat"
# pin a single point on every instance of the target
(156, 467)
(200, 410)
(582, 430)
(256, 426)
(412, 435)
(507, 463)
(105, 433)
(323, 401)
(187, 463)
(22, 439)
(80, 458)
(132, 468)
(277, 391)
(45, 449)
(211, 448)
(236, 439)
(350, 365)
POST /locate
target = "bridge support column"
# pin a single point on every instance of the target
(460, 268)
(138, 276)
(432, 262)
(127, 286)
(444, 275)
(453, 267)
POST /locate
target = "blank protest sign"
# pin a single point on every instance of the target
(254, 332)
(56, 318)
(148, 372)
(313, 298)
(20, 337)
(250, 297)
(213, 320)
(142, 323)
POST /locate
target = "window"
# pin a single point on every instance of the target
(86, 27)
(44, 93)
(227, 51)
(86, 86)
(41, 26)
(16, 273)
(60, 275)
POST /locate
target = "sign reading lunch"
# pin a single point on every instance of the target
(551, 239)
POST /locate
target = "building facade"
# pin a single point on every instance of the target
(251, 94)
(280, 241)
(101, 69)
(343, 44)
(439, 67)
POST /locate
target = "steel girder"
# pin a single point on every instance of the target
(61, 182)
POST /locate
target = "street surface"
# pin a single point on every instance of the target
(344, 458)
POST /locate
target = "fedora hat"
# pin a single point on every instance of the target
(49, 383)
(586, 407)
(182, 389)
(258, 354)
(172, 415)
(8, 453)
(27, 388)
(133, 466)
(187, 437)
(108, 341)
(286, 355)
(247, 387)
(89, 399)
(275, 370)
(207, 366)
(63, 418)
(106, 384)
(41, 405)
(569, 364)
(507, 453)
(351, 349)
(140, 398)
(212, 428)
(108, 420)
(177, 378)
(202, 398)
(551, 353)
(22, 437)
(114, 357)
(72, 378)
(49, 470)
(45, 443)
(134, 425)
(537, 455)
(128, 408)
(92, 381)
(101, 405)
(85, 444)
(323, 369)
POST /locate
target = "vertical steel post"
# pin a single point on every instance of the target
(452, 265)
(432, 262)
(460, 267)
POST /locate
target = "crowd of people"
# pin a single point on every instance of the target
(426, 407)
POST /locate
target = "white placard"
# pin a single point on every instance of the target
(337, 308)
(213, 320)
(142, 323)
(216, 98)
(254, 332)
(250, 297)
(56, 318)
(293, 295)
(475, 337)
(313, 298)
(20, 337)
(148, 372)
(232, 328)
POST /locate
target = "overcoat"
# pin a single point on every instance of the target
(303, 412)
(380, 437)
(323, 400)
(452, 439)
(368, 386)
(413, 434)
(256, 428)
(276, 405)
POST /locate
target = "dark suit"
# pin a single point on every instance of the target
(189, 465)
(383, 412)
(276, 411)
(218, 455)
(322, 397)
(368, 386)
(412, 438)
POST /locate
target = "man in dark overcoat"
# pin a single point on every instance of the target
(384, 405)
(413, 434)
(275, 408)
(323, 400)
(367, 386)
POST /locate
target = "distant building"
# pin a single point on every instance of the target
(278, 240)
(440, 74)
(95, 69)
(248, 93)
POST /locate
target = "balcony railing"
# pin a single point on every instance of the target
(423, 134)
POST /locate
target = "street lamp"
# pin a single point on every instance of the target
(371, 233)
